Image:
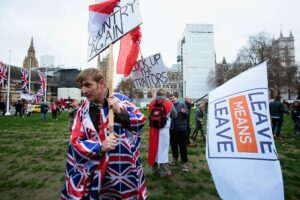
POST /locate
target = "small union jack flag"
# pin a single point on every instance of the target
(24, 79)
(42, 80)
(3, 75)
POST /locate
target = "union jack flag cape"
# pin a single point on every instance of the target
(3, 75)
(116, 175)
(42, 80)
(24, 79)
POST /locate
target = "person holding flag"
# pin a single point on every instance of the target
(103, 165)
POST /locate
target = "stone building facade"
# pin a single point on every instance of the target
(283, 48)
(30, 59)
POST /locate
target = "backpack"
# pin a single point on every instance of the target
(158, 118)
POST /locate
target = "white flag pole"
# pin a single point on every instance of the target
(8, 86)
(29, 76)
(46, 78)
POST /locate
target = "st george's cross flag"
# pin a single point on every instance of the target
(129, 51)
(99, 13)
(240, 148)
(3, 75)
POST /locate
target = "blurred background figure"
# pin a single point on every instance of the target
(29, 109)
(199, 122)
(276, 112)
(72, 113)
(189, 104)
(295, 112)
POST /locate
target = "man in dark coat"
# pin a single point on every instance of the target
(178, 133)
(276, 112)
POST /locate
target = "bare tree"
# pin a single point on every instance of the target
(281, 78)
(126, 86)
(258, 50)
(222, 73)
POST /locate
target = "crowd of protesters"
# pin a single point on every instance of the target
(25, 108)
(176, 133)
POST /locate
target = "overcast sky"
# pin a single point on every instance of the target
(59, 27)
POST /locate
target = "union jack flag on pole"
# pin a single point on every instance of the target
(24, 78)
(3, 75)
(42, 80)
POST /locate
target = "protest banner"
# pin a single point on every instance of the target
(149, 72)
(124, 18)
(240, 148)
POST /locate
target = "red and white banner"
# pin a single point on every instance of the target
(125, 17)
(129, 51)
(240, 148)
(99, 13)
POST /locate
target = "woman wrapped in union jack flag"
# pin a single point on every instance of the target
(103, 165)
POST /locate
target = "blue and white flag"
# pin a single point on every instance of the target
(240, 148)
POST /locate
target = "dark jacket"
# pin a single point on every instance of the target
(189, 107)
(181, 121)
(44, 108)
(276, 109)
(295, 111)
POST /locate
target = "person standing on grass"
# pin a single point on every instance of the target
(2, 108)
(54, 111)
(29, 109)
(103, 165)
(18, 107)
(178, 133)
(44, 110)
(199, 122)
(276, 112)
(159, 138)
(295, 112)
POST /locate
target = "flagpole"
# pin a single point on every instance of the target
(46, 78)
(8, 86)
(29, 76)
(110, 86)
(110, 89)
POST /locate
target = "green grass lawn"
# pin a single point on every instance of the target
(33, 158)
